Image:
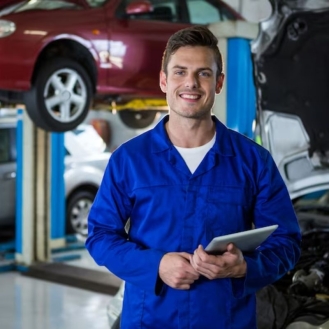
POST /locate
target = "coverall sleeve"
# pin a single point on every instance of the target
(108, 241)
(280, 252)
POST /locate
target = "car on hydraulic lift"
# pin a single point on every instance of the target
(85, 161)
(57, 57)
(290, 57)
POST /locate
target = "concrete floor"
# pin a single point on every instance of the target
(27, 303)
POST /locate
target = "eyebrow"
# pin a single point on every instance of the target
(185, 68)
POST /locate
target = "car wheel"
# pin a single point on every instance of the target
(137, 119)
(78, 208)
(60, 96)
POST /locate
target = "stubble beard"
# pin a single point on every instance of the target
(193, 113)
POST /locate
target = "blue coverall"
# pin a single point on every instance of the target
(236, 185)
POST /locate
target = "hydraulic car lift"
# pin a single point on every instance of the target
(40, 197)
(40, 215)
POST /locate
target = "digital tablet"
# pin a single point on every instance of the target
(245, 241)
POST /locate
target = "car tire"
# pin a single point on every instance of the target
(60, 96)
(78, 207)
(137, 119)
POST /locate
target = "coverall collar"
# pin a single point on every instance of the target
(223, 145)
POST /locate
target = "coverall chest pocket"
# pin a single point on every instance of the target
(229, 210)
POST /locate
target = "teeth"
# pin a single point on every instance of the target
(190, 96)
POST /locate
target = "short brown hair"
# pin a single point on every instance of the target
(192, 36)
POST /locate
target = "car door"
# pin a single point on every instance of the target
(7, 174)
(137, 43)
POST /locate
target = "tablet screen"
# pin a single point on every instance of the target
(246, 241)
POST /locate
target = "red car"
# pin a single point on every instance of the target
(59, 57)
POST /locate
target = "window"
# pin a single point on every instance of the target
(7, 145)
(206, 12)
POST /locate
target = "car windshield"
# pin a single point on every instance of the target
(56, 4)
(83, 141)
(46, 5)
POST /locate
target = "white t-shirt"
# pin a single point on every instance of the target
(193, 156)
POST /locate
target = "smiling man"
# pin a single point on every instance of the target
(181, 184)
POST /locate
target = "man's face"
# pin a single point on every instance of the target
(190, 82)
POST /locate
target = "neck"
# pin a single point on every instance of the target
(190, 133)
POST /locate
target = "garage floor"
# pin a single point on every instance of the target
(28, 303)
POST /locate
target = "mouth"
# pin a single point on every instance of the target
(189, 96)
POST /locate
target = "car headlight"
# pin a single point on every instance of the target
(6, 28)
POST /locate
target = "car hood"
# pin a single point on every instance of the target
(291, 70)
(98, 160)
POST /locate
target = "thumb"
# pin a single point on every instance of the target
(231, 248)
(201, 250)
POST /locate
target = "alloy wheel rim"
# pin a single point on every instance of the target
(65, 95)
(79, 216)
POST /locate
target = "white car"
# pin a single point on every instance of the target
(85, 162)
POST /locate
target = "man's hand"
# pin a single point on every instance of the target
(230, 264)
(176, 271)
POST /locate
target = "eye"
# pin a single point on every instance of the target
(205, 74)
(179, 72)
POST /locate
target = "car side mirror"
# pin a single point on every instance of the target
(139, 7)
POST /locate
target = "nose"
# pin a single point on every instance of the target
(191, 81)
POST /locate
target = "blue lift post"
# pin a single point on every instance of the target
(235, 106)
(57, 187)
(49, 153)
(241, 93)
(57, 201)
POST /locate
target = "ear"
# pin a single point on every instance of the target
(163, 81)
(219, 83)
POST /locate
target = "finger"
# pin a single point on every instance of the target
(183, 287)
(233, 255)
(192, 261)
(201, 251)
(190, 270)
(187, 266)
(206, 269)
(212, 274)
(200, 247)
(197, 264)
(193, 275)
(185, 255)
(202, 256)
(232, 248)
(185, 280)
